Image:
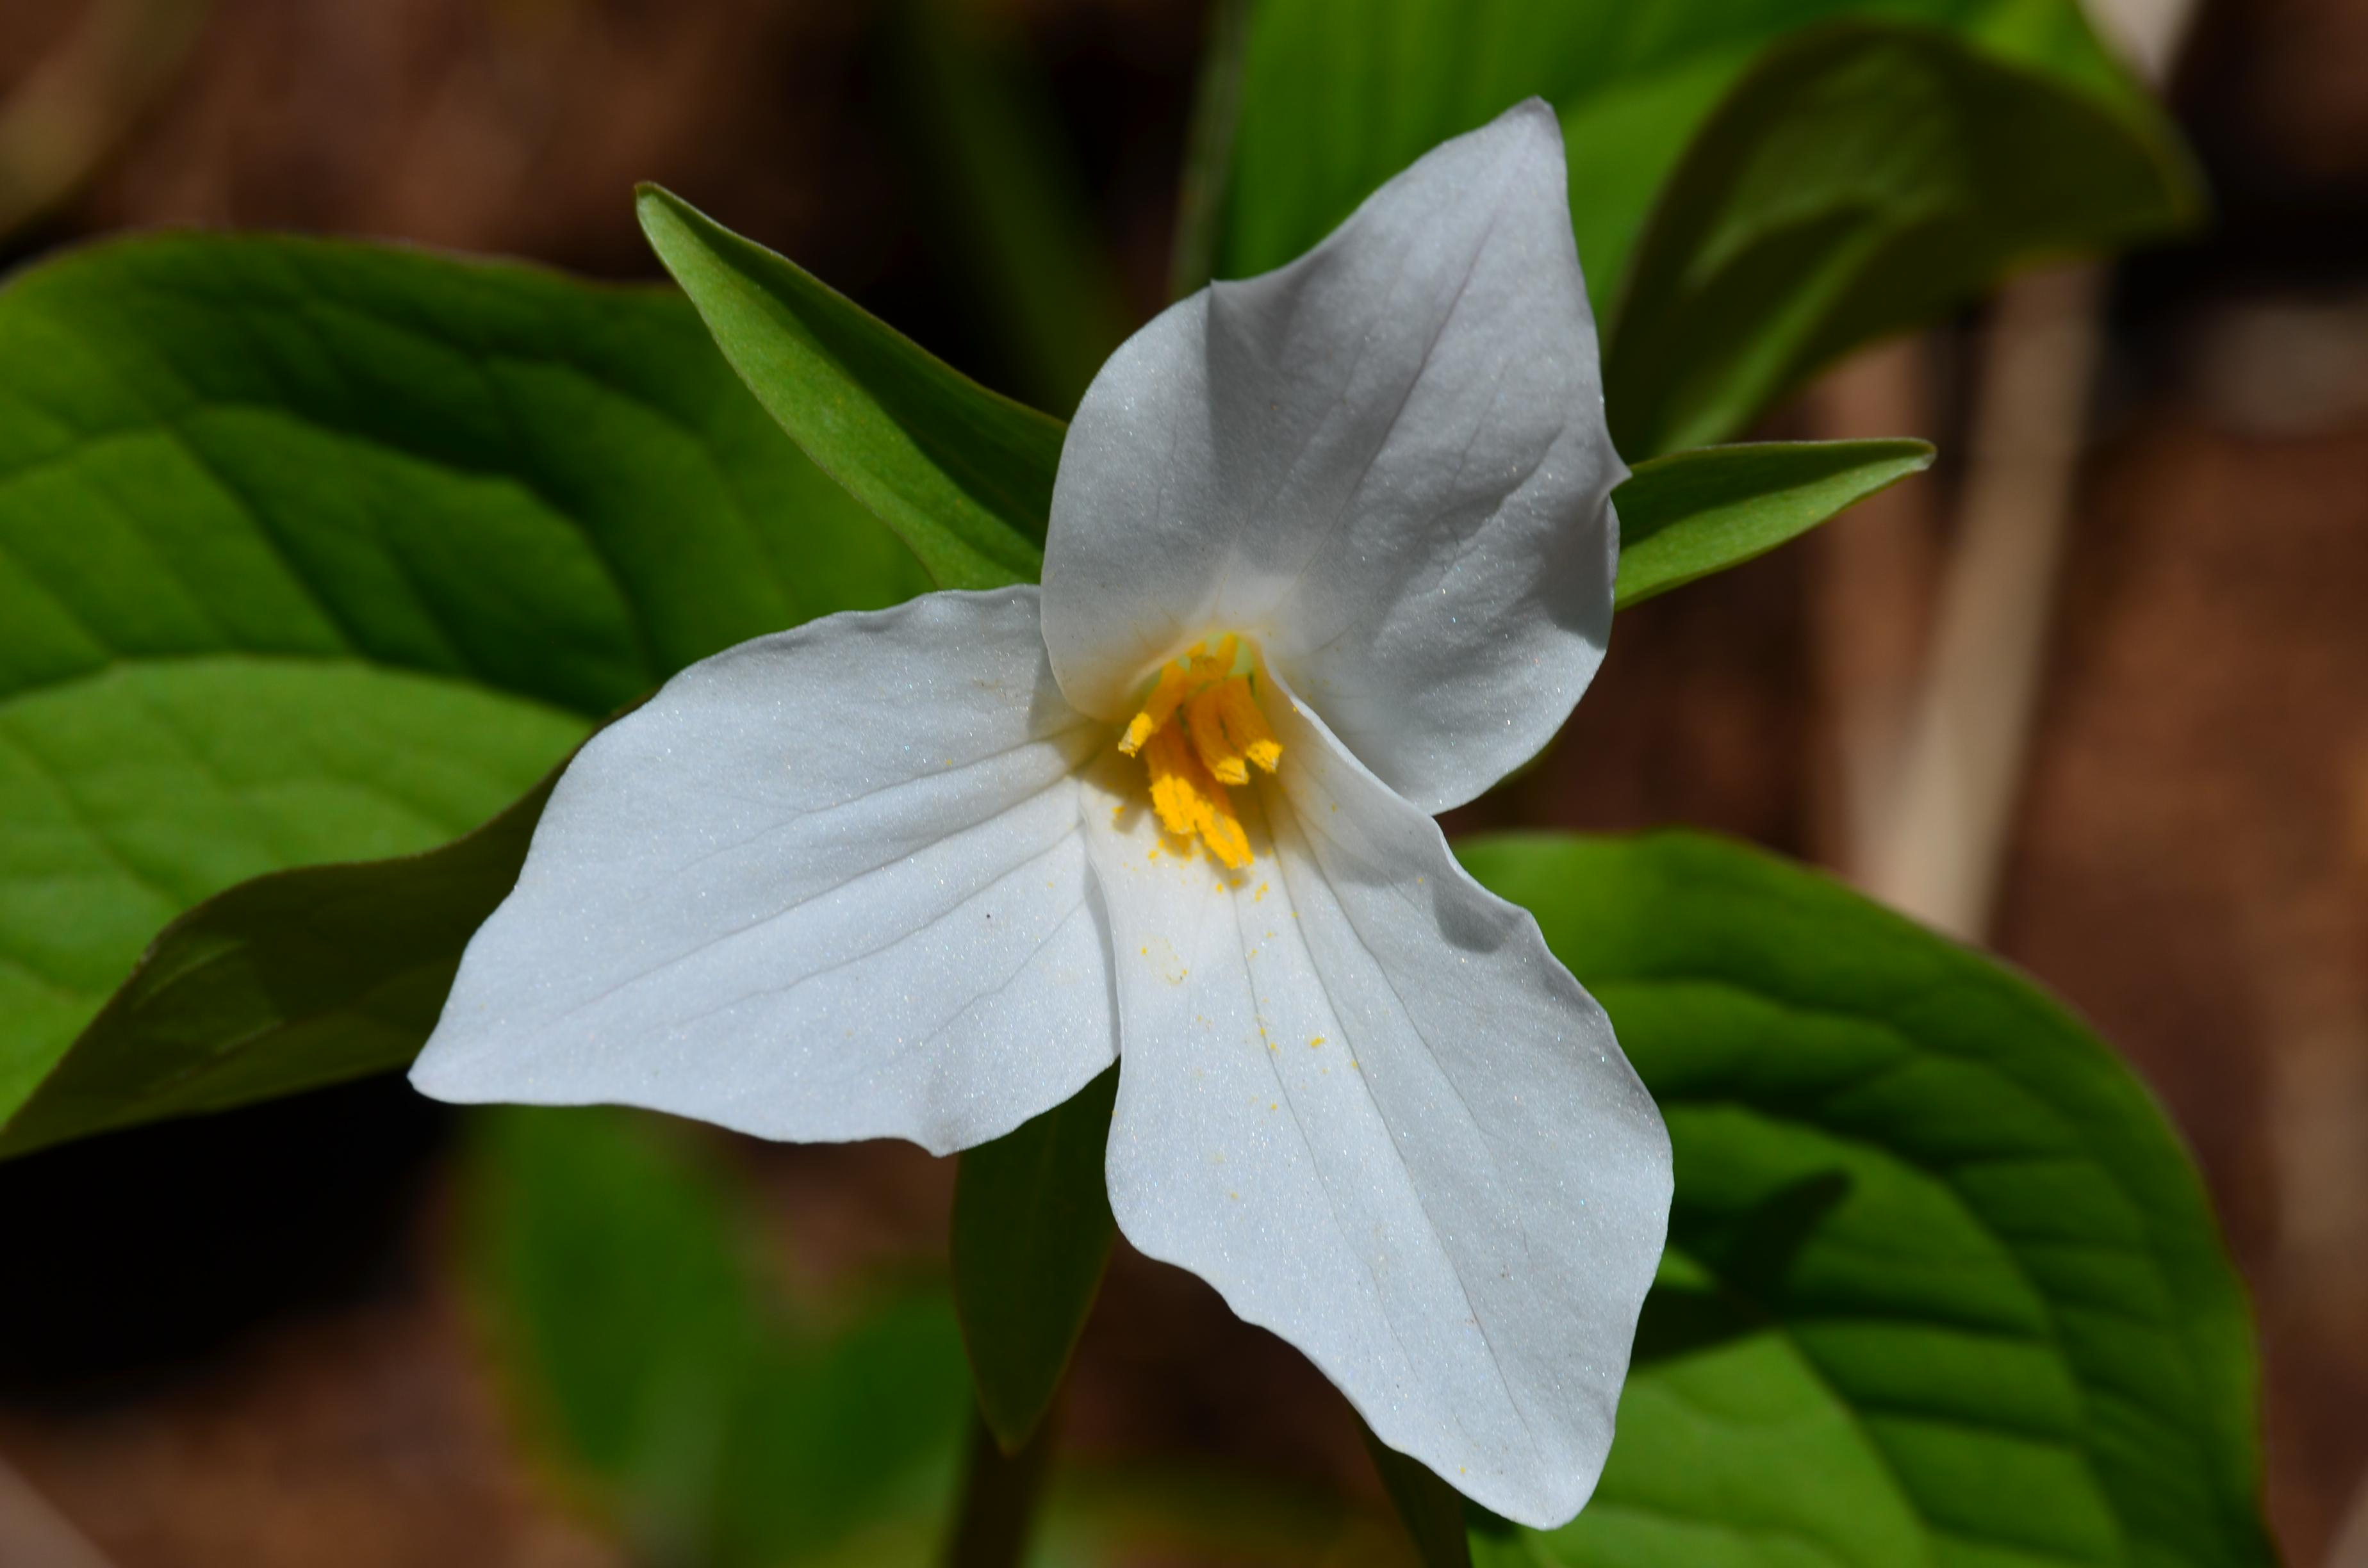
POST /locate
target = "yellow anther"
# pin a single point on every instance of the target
(1188, 802)
(1246, 726)
(1171, 784)
(1198, 731)
(1203, 716)
(1175, 685)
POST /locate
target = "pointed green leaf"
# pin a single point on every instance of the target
(1943, 1287)
(1693, 512)
(1860, 179)
(963, 475)
(1031, 1231)
(316, 552)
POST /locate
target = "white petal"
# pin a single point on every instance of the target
(829, 884)
(1387, 460)
(1359, 1097)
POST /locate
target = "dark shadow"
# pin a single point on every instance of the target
(135, 1255)
(1752, 1257)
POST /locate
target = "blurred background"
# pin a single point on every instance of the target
(249, 1340)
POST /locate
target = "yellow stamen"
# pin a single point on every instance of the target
(1174, 686)
(1204, 717)
(1198, 731)
(1188, 802)
(1246, 726)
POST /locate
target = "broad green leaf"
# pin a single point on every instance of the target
(318, 553)
(295, 979)
(1340, 94)
(963, 475)
(1693, 512)
(1943, 1287)
(1031, 1231)
(1860, 179)
(138, 792)
(701, 1410)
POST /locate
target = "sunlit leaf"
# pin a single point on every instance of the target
(320, 553)
(291, 981)
(1693, 512)
(963, 475)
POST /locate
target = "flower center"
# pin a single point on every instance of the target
(1201, 730)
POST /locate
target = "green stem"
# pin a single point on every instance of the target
(1209, 152)
(999, 1498)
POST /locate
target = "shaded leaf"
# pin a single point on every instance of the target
(1976, 1308)
(1340, 94)
(1693, 512)
(963, 475)
(696, 1410)
(626, 1294)
(1863, 178)
(1031, 1231)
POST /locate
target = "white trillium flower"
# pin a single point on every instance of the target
(1331, 550)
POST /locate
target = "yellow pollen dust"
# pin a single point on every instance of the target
(1200, 731)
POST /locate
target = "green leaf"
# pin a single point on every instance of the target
(1340, 94)
(316, 552)
(1031, 1231)
(1863, 178)
(1943, 1287)
(132, 795)
(1693, 512)
(695, 1405)
(963, 475)
(291, 981)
